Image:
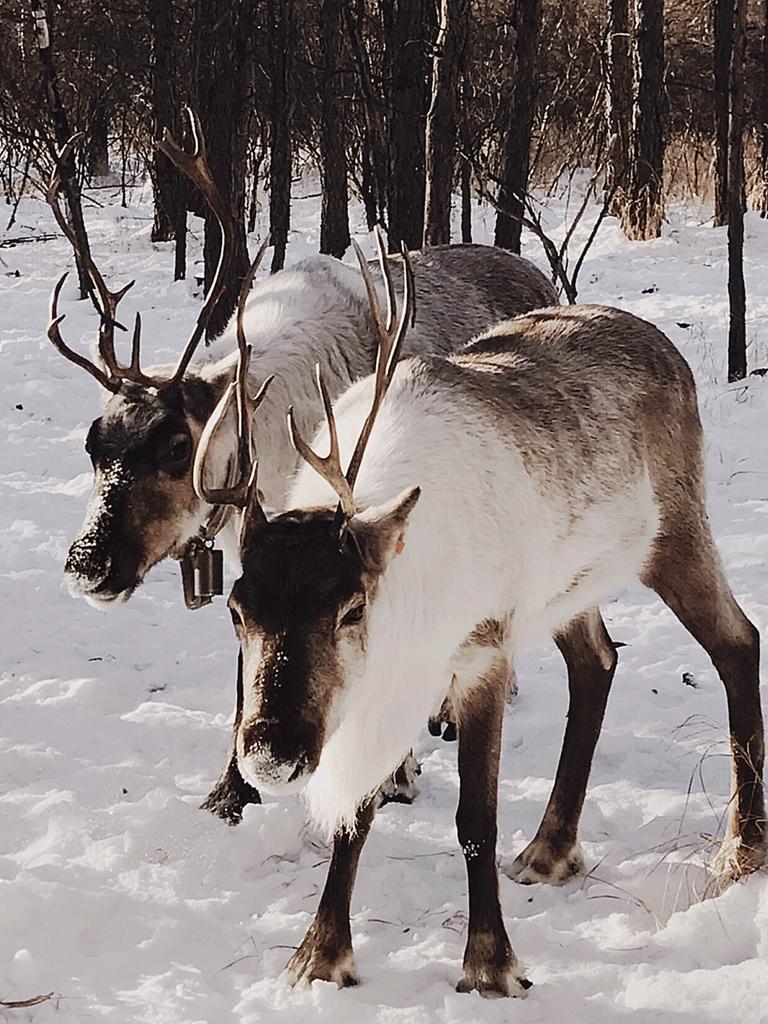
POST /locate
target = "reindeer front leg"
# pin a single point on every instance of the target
(232, 793)
(490, 965)
(326, 951)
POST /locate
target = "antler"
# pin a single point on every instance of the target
(243, 491)
(55, 335)
(108, 300)
(195, 167)
(391, 330)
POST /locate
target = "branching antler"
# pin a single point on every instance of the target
(391, 331)
(242, 492)
(195, 167)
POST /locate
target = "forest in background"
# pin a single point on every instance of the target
(401, 104)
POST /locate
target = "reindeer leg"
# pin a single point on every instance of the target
(326, 951)
(685, 572)
(554, 855)
(231, 793)
(490, 965)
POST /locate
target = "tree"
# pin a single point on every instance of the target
(223, 34)
(334, 214)
(619, 97)
(61, 134)
(442, 120)
(516, 154)
(280, 34)
(737, 337)
(405, 28)
(723, 29)
(165, 110)
(643, 207)
(761, 196)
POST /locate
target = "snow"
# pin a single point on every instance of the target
(130, 905)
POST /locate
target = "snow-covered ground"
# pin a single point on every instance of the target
(130, 905)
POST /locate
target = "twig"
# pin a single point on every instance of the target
(19, 1004)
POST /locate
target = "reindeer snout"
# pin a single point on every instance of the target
(275, 755)
(87, 565)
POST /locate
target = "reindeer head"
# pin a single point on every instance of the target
(301, 608)
(142, 505)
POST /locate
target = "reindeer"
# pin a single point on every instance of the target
(505, 491)
(143, 507)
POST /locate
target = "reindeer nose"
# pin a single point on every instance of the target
(274, 751)
(87, 561)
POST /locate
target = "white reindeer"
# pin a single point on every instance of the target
(143, 507)
(505, 491)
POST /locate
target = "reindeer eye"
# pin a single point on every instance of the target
(354, 615)
(237, 619)
(179, 448)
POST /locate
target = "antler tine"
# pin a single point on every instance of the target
(384, 264)
(195, 167)
(237, 493)
(245, 290)
(390, 345)
(242, 493)
(329, 467)
(61, 346)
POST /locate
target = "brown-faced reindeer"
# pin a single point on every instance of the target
(505, 491)
(143, 507)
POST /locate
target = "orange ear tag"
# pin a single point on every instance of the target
(399, 546)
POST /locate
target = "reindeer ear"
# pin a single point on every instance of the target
(380, 531)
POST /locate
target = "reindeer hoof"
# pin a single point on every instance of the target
(494, 982)
(229, 796)
(539, 863)
(311, 963)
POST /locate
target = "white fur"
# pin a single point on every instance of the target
(470, 554)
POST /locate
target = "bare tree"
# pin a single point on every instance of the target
(723, 29)
(619, 98)
(405, 30)
(442, 120)
(165, 107)
(517, 137)
(642, 211)
(280, 33)
(737, 336)
(42, 14)
(223, 36)
(334, 214)
(761, 190)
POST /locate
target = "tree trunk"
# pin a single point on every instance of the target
(723, 26)
(168, 194)
(442, 120)
(404, 34)
(373, 159)
(97, 150)
(643, 210)
(737, 337)
(334, 214)
(280, 31)
(619, 102)
(466, 201)
(761, 196)
(223, 34)
(61, 132)
(517, 142)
